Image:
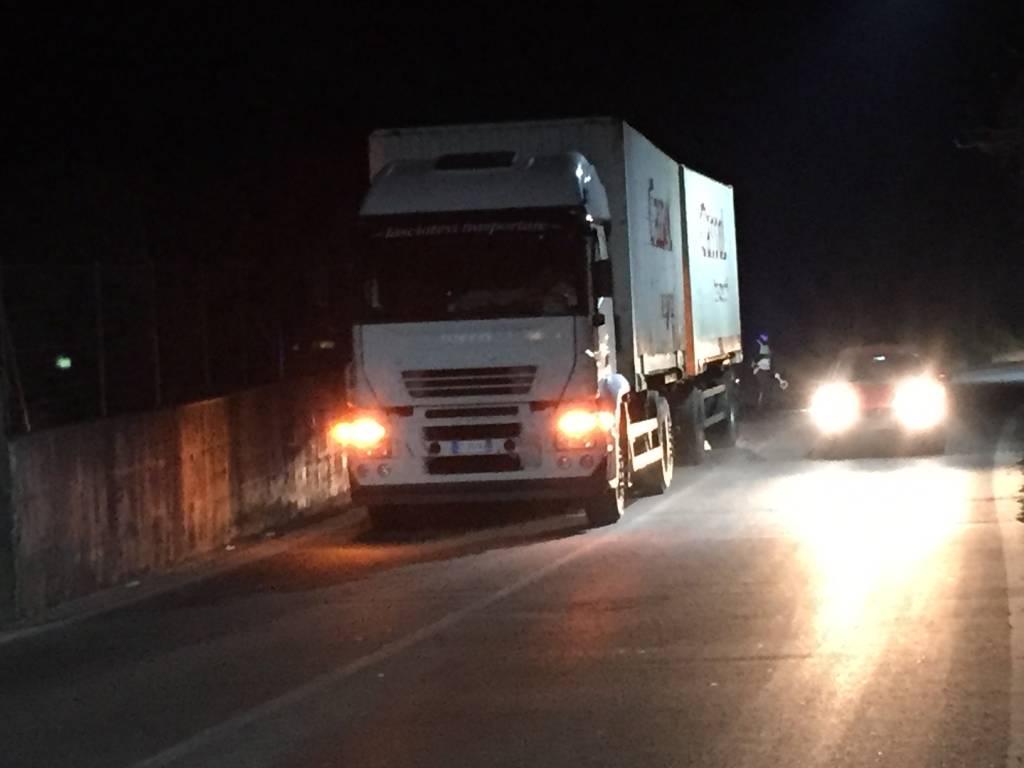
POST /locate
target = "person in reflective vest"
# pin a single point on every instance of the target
(762, 365)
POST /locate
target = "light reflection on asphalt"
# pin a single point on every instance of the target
(872, 537)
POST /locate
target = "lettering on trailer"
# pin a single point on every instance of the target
(659, 220)
(466, 228)
(721, 292)
(668, 309)
(467, 338)
(714, 234)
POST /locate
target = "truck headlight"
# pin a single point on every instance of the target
(919, 403)
(582, 427)
(364, 432)
(835, 407)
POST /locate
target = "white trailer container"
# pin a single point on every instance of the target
(672, 219)
(645, 343)
(712, 281)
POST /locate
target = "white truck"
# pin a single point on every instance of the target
(545, 311)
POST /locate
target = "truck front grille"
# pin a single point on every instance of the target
(470, 382)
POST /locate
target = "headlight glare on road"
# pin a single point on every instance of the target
(920, 403)
(363, 432)
(835, 407)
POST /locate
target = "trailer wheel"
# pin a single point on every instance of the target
(655, 479)
(689, 445)
(607, 507)
(724, 433)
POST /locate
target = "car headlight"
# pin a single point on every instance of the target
(365, 432)
(919, 403)
(835, 407)
(582, 427)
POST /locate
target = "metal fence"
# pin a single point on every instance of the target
(87, 341)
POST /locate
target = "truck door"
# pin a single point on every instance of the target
(603, 304)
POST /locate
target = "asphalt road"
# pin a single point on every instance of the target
(771, 610)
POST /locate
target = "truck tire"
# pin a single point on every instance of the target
(385, 517)
(932, 445)
(606, 507)
(689, 443)
(724, 433)
(655, 479)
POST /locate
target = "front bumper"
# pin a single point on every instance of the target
(879, 433)
(883, 421)
(437, 451)
(471, 491)
(878, 420)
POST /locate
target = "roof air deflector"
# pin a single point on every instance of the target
(475, 160)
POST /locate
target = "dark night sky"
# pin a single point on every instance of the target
(834, 121)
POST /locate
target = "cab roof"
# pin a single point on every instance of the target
(487, 181)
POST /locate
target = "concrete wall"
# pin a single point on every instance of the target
(98, 503)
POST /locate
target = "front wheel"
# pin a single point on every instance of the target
(386, 517)
(932, 445)
(606, 507)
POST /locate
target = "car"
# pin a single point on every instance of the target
(890, 391)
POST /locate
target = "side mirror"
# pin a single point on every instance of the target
(598, 319)
(601, 272)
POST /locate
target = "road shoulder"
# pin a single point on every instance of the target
(348, 520)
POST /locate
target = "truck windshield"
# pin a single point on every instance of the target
(472, 267)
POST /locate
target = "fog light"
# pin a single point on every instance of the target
(364, 432)
(587, 461)
(362, 470)
(384, 470)
(564, 462)
(434, 449)
(581, 427)
(510, 445)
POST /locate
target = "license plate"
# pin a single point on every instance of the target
(458, 447)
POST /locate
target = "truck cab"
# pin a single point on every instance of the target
(483, 350)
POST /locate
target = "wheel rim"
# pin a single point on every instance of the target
(668, 452)
(620, 490)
